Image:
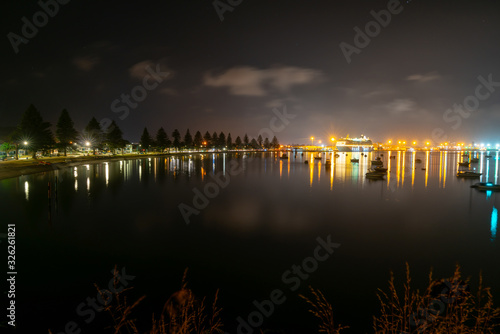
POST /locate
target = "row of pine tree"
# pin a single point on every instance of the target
(36, 132)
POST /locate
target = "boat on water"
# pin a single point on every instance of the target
(284, 156)
(317, 158)
(463, 164)
(374, 175)
(418, 161)
(380, 169)
(474, 160)
(377, 161)
(488, 156)
(336, 155)
(468, 173)
(486, 186)
(362, 144)
(354, 160)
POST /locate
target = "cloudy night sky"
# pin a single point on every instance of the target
(229, 75)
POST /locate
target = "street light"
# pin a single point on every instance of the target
(312, 141)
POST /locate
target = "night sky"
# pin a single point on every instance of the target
(229, 75)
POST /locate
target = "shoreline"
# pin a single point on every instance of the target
(16, 168)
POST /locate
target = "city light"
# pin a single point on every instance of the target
(414, 143)
(389, 141)
(333, 139)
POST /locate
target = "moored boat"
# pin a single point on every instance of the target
(374, 175)
(468, 173)
(380, 169)
(354, 160)
(486, 186)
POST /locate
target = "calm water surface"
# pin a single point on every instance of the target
(267, 219)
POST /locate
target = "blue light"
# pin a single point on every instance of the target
(494, 219)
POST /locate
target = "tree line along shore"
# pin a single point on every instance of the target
(34, 134)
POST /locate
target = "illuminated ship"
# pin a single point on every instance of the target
(363, 144)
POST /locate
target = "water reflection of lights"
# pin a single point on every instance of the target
(494, 220)
(107, 173)
(26, 190)
(427, 158)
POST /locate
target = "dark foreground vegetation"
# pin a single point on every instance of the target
(444, 306)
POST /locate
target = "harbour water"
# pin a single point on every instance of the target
(245, 221)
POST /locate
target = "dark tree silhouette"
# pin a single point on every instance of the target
(198, 139)
(146, 140)
(254, 144)
(221, 142)
(93, 134)
(238, 142)
(161, 139)
(65, 131)
(176, 139)
(229, 141)
(275, 143)
(188, 139)
(215, 140)
(267, 144)
(259, 141)
(245, 140)
(34, 131)
(207, 138)
(114, 137)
